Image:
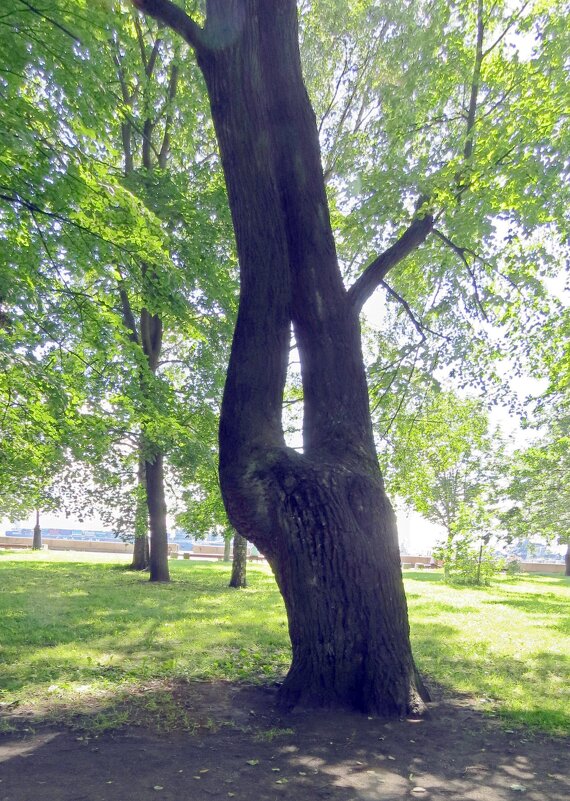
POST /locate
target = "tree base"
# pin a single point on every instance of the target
(293, 694)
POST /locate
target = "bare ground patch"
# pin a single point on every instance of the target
(238, 746)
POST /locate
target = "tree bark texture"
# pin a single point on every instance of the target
(321, 518)
(239, 566)
(151, 338)
(37, 539)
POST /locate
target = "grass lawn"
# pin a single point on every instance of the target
(84, 635)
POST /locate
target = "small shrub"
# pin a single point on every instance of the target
(513, 567)
(469, 565)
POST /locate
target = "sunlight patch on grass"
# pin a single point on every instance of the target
(506, 645)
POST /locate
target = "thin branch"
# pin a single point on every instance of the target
(335, 93)
(165, 146)
(58, 25)
(514, 19)
(420, 327)
(140, 40)
(404, 303)
(459, 251)
(33, 207)
(475, 80)
(372, 276)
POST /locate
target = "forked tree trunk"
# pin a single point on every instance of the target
(239, 567)
(322, 518)
(148, 335)
(37, 539)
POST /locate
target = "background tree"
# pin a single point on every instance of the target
(65, 189)
(443, 461)
(538, 491)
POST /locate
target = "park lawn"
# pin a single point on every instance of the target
(77, 637)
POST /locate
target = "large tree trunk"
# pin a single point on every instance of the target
(37, 540)
(322, 517)
(239, 567)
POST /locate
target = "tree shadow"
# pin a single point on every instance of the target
(232, 736)
(555, 610)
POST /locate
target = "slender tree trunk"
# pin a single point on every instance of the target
(448, 556)
(227, 547)
(37, 540)
(150, 329)
(567, 560)
(321, 518)
(239, 566)
(159, 570)
(141, 550)
(151, 338)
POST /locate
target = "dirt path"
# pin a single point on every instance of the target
(243, 749)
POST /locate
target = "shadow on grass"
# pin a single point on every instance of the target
(100, 625)
(556, 610)
(500, 683)
(423, 575)
(88, 623)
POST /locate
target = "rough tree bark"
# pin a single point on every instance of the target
(37, 539)
(322, 517)
(238, 578)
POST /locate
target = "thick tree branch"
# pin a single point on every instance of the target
(373, 275)
(127, 313)
(149, 69)
(172, 15)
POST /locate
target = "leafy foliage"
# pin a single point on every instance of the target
(442, 459)
(89, 231)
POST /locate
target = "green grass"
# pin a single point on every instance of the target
(88, 635)
(507, 645)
